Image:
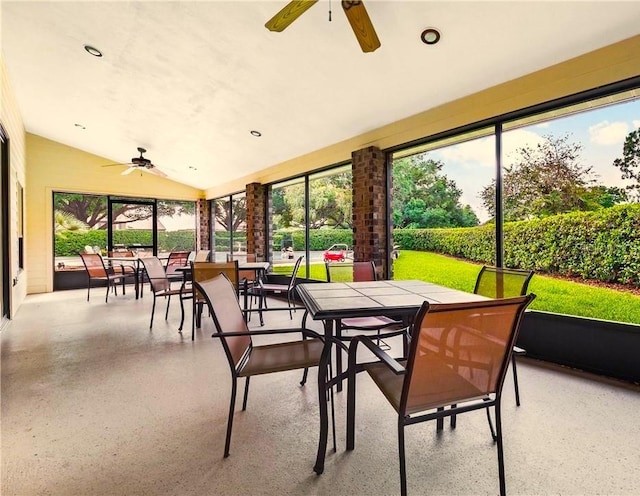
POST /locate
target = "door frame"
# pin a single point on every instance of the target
(5, 311)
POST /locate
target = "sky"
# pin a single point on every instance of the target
(601, 132)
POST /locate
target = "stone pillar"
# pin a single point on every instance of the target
(370, 207)
(203, 221)
(256, 195)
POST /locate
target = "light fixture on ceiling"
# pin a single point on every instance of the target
(93, 51)
(430, 36)
(255, 133)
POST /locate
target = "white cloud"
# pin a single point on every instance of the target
(608, 133)
(636, 124)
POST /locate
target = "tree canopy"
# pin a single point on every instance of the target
(549, 179)
(629, 164)
(92, 209)
(424, 197)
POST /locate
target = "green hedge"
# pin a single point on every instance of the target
(602, 245)
(69, 244)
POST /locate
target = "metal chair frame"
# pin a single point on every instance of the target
(449, 347)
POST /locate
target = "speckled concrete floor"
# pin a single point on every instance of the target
(93, 403)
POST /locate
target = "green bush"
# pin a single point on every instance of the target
(69, 244)
(602, 245)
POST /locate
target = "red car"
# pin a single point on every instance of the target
(337, 253)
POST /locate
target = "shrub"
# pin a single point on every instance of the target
(603, 245)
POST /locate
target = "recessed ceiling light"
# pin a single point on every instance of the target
(93, 51)
(430, 36)
(257, 134)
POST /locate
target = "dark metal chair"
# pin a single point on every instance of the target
(495, 282)
(97, 271)
(458, 355)
(268, 287)
(362, 272)
(160, 285)
(245, 359)
(176, 260)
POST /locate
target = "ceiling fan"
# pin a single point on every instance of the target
(354, 10)
(140, 163)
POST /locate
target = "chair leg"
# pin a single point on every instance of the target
(153, 310)
(453, 417)
(440, 421)
(403, 466)
(333, 410)
(106, 298)
(227, 444)
(351, 397)
(501, 474)
(166, 313)
(515, 379)
(88, 288)
(246, 394)
(493, 433)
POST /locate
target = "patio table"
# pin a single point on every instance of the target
(331, 302)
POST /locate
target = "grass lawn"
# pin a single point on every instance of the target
(553, 295)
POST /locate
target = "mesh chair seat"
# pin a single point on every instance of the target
(279, 357)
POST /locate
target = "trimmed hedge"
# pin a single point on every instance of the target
(69, 244)
(602, 245)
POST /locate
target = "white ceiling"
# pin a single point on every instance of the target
(190, 80)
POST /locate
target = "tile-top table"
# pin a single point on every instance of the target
(331, 302)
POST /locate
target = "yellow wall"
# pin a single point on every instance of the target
(12, 123)
(51, 167)
(606, 65)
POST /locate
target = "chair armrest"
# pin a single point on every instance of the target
(390, 362)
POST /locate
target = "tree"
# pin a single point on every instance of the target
(423, 197)
(549, 179)
(92, 209)
(629, 164)
(330, 203)
(231, 219)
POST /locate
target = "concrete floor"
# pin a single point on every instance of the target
(94, 403)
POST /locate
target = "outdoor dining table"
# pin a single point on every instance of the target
(332, 302)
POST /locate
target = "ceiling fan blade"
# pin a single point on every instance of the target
(156, 171)
(288, 14)
(361, 25)
(128, 170)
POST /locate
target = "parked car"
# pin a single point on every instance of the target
(337, 253)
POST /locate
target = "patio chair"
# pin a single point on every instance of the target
(458, 355)
(203, 271)
(245, 359)
(494, 282)
(362, 272)
(97, 271)
(176, 260)
(269, 287)
(160, 285)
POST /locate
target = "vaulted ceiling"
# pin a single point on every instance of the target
(189, 81)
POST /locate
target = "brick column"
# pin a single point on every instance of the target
(370, 207)
(256, 220)
(203, 221)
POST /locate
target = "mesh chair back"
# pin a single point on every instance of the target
(249, 275)
(176, 259)
(156, 274)
(202, 271)
(202, 256)
(220, 296)
(460, 352)
(94, 264)
(356, 271)
(364, 271)
(294, 274)
(494, 282)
